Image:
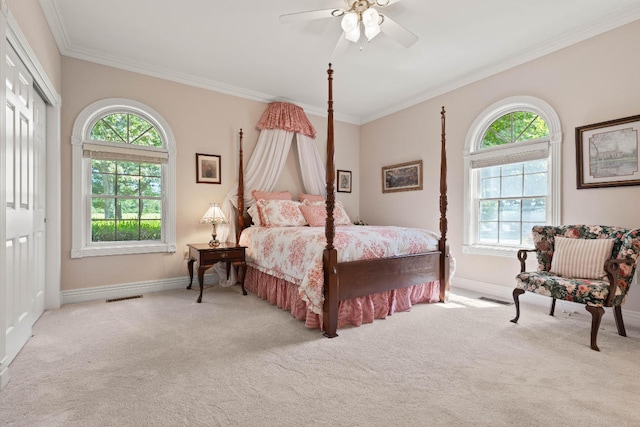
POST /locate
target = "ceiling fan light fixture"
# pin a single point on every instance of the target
(371, 23)
(351, 26)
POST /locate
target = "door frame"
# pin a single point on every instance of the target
(13, 34)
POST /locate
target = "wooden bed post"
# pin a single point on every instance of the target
(443, 247)
(330, 255)
(240, 202)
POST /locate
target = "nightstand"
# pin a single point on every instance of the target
(206, 256)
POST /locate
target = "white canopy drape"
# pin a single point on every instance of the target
(279, 124)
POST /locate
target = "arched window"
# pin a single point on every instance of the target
(512, 175)
(124, 180)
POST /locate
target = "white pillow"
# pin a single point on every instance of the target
(580, 258)
(280, 213)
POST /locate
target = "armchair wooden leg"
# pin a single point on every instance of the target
(516, 299)
(617, 311)
(596, 316)
(553, 307)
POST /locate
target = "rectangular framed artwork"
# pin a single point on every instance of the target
(344, 181)
(208, 169)
(402, 177)
(607, 153)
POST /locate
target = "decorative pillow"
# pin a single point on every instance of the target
(280, 213)
(580, 258)
(316, 215)
(255, 215)
(310, 197)
(271, 195)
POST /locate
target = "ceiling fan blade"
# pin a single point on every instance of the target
(397, 32)
(340, 47)
(306, 16)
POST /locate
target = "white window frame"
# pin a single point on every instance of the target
(81, 245)
(549, 147)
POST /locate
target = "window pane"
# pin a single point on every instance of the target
(150, 169)
(150, 229)
(103, 166)
(127, 185)
(490, 188)
(488, 232)
(510, 233)
(127, 230)
(150, 187)
(512, 169)
(128, 208)
(102, 183)
(534, 210)
(536, 166)
(490, 172)
(151, 209)
(538, 129)
(499, 132)
(488, 210)
(103, 231)
(535, 184)
(128, 168)
(510, 210)
(103, 132)
(512, 186)
(150, 138)
(102, 208)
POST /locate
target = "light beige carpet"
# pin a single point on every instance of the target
(235, 360)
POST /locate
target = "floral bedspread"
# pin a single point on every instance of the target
(295, 253)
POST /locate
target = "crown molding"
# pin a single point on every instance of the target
(587, 31)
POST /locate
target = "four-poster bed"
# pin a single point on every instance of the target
(418, 269)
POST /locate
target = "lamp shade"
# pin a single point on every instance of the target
(213, 215)
(371, 23)
(351, 26)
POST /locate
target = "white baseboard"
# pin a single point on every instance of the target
(130, 289)
(504, 293)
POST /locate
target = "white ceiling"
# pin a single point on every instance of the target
(241, 48)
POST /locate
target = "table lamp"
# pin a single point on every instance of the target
(213, 216)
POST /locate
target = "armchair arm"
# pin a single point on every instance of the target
(522, 257)
(612, 267)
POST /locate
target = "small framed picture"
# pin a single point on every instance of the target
(208, 168)
(402, 177)
(344, 181)
(608, 153)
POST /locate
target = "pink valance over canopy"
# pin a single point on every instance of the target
(290, 117)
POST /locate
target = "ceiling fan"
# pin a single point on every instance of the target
(359, 16)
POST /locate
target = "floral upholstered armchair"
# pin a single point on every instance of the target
(586, 264)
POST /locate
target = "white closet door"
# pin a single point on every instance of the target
(24, 208)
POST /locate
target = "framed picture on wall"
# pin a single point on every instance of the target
(208, 168)
(402, 177)
(607, 153)
(344, 181)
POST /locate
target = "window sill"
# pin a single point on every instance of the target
(503, 251)
(90, 251)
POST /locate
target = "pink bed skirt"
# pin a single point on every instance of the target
(351, 312)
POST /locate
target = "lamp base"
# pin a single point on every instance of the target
(214, 242)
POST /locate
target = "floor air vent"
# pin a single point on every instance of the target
(124, 298)
(497, 301)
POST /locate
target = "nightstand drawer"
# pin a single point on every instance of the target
(211, 257)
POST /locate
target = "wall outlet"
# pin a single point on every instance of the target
(185, 255)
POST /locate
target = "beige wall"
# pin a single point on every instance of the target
(202, 122)
(593, 81)
(33, 25)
